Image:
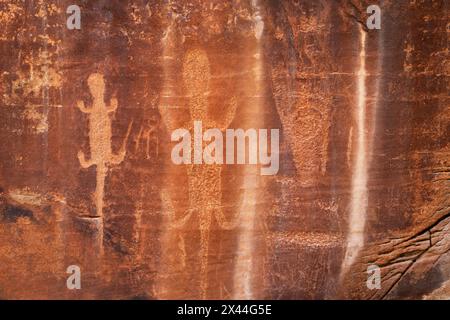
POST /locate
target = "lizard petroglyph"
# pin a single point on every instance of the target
(100, 140)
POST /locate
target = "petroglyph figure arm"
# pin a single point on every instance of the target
(83, 162)
(82, 107)
(166, 117)
(221, 220)
(118, 158)
(229, 114)
(170, 119)
(113, 105)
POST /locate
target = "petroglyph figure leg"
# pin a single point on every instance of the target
(222, 221)
(170, 212)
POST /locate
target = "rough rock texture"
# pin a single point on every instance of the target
(86, 176)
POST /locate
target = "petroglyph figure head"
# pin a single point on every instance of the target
(96, 84)
(196, 73)
(196, 77)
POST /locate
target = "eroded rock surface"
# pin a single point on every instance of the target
(86, 176)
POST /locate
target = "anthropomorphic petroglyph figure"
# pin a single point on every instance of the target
(204, 181)
(100, 139)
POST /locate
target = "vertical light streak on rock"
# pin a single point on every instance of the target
(167, 207)
(376, 95)
(358, 204)
(244, 260)
(243, 280)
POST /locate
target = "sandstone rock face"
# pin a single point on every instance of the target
(87, 176)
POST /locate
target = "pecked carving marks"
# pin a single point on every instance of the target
(300, 65)
(312, 125)
(100, 139)
(196, 79)
(204, 181)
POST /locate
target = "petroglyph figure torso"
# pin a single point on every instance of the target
(99, 126)
(100, 137)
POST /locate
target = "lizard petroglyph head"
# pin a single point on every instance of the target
(96, 84)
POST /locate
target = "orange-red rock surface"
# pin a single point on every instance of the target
(86, 176)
